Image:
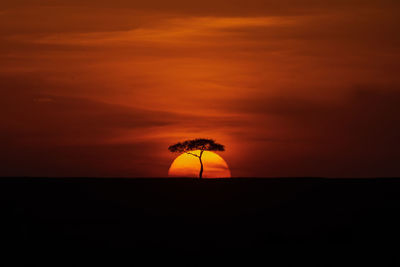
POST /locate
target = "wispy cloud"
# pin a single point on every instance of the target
(279, 79)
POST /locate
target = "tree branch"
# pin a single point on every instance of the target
(192, 154)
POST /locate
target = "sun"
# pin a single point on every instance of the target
(187, 165)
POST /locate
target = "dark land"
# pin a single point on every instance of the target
(48, 216)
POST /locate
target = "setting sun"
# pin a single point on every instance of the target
(186, 165)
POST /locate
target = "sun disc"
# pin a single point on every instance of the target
(186, 165)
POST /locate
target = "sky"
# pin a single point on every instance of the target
(291, 88)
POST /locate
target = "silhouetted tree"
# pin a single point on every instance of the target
(197, 144)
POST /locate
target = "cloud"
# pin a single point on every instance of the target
(220, 7)
(364, 106)
(273, 80)
(31, 116)
(102, 160)
(354, 136)
(53, 135)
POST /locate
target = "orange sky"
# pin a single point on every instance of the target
(291, 88)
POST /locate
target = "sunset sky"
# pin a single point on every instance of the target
(291, 88)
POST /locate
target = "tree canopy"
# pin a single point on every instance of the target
(196, 144)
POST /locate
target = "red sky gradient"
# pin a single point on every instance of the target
(291, 88)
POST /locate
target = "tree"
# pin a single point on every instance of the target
(197, 144)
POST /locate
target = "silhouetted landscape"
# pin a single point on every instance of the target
(191, 215)
(306, 89)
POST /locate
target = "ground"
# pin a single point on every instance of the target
(191, 215)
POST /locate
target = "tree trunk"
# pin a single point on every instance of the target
(201, 165)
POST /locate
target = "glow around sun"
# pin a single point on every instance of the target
(187, 165)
